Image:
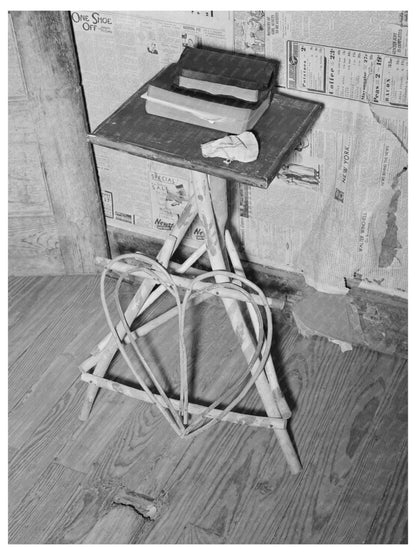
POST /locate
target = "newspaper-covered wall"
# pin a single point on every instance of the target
(338, 207)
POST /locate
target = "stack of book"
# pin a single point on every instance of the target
(219, 90)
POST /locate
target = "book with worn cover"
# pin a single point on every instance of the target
(231, 115)
(225, 73)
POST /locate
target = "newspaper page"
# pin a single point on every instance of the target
(144, 196)
(338, 206)
(124, 182)
(325, 214)
(380, 32)
(118, 53)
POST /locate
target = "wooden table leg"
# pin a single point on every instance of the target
(269, 368)
(107, 354)
(215, 252)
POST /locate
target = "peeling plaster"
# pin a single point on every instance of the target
(390, 244)
(380, 122)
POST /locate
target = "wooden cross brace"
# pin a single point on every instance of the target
(209, 201)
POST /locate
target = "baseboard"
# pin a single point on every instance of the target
(382, 318)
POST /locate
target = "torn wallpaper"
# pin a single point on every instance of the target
(338, 207)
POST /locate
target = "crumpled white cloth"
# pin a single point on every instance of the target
(243, 147)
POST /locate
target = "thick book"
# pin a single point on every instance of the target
(225, 73)
(165, 99)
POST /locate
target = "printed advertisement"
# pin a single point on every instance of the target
(169, 195)
(364, 76)
(249, 32)
(170, 192)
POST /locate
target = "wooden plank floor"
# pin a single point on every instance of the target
(229, 485)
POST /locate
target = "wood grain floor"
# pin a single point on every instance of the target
(229, 485)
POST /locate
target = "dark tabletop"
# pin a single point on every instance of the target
(131, 129)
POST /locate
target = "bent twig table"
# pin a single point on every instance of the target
(131, 130)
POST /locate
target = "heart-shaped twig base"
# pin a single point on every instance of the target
(227, 285)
